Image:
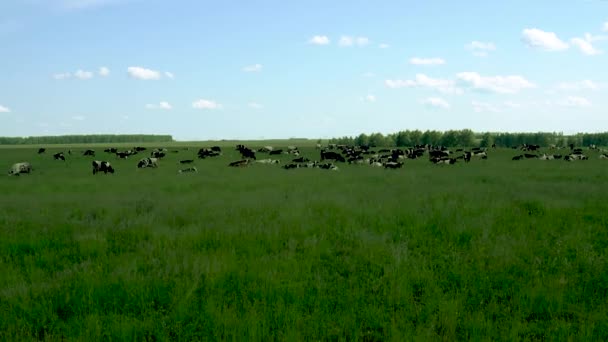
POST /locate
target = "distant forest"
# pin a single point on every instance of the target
(466, 138)
(86, 139)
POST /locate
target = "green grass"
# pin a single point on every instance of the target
(492, 250)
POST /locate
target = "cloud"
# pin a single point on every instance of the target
(319, 40)
(206, 104)
(480, 107)
(423, 81)
(580, 85)
(253, 68)
(83, 75)
(480, 49)
(62, 76)
(574, 101)
(162, 105)
(4, 109)
(512, 104)
(584, 44)
(104, 71)
(255, 105)
(497, 84)
(605, 27)
(78, 118)
(143, 73)
(384, 46)
(169, 75)
(427, 61)
(347, 41)
(369, 98)
(542, 40)
(436, 102)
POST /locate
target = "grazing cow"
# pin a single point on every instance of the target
(291, 166)
(275, 152)
(332, 156)
(444, 160)
(148, 162)
(530, 156)
(89, 153)
(216, 149)
(41, 150)
(246, 152)
(604, 156)
(207, 152)
(393, 165)
(139, 149)
(240, 163)
(59, 156)
(19, 168)
(102, 166)
(190, 169)
(157, 154)
(268, 161)
(187, 161)
(520, 157)
(113, 150)
(265, 149)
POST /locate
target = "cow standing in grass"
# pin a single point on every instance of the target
(59, 156)
(19, 168)
(102, 166)
(192, 169)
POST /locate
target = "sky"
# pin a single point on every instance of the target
(261, 69)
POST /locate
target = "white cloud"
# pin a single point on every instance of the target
(206, 104)
(319, 40)
(584, 44)
(255, 105)
(543, 40)
(369, 98)
(62, 76)
(143, 73)
(104, 71)
(346, 41)
(169, 75)
(511, 104)
(427, 61)
(384, 46)
(83, 75)
(4, 109)
(605, 27)
(480, 107)
(423, 81)
(162, 105)
(498, 84)
(480, 49)
(253, 68)
(574, 101)
(436, 102)
(78, 118)
(580, 85)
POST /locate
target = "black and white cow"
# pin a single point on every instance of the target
(59, 156)
(19, 168)
(148, 162)
(604, 156)
(268, 161)
(89, 153)
(102, 166)
(329, 155)
(157, 154)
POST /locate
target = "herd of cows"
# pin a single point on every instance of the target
(330, 156)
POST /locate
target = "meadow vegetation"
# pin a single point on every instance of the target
(491, 250)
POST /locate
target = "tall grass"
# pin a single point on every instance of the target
(492, 250)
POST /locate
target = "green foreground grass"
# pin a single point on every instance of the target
(491, 250)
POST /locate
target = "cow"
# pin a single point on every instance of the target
(275, 152)
(239, 163)
(89, 153)
(246, 152)
(300, 160)
(216, 149)
(188, 170)
(327, 166)
(207, 152)
(393, 165)
(572, 157)
(113, 150)
(186, 161)
(139, 149)
(520, 157)
(148, 162)
(444, 160)
(265, 149)
(157, 154)
(268, 161)
(291, 166)
(332, 156)
(438, 154)
(102, 166)
(604, 156)
(530, 156)
(19, 168)
(41, 150)
(59, 156)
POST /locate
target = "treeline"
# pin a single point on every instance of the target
(85, 139)
(467, 138)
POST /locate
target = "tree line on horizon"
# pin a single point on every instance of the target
(467, 138)
(86, 139)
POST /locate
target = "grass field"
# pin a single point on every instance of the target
(491, 250)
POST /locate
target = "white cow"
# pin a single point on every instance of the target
(19, 168)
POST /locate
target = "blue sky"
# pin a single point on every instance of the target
(278, 69)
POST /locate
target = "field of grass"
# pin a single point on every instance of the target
(492, 250)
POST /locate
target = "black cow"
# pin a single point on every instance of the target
(41, 150)
(139, 149)
(530, 156)
(59, 156)
(239, 163)
(102, 166)
(89, 153)
(275, 152)
(216, 149)
(111, 150)
(520, 157)
(246, 152)
(157, 154)
(329, 155)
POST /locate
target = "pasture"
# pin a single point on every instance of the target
(490, 250)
